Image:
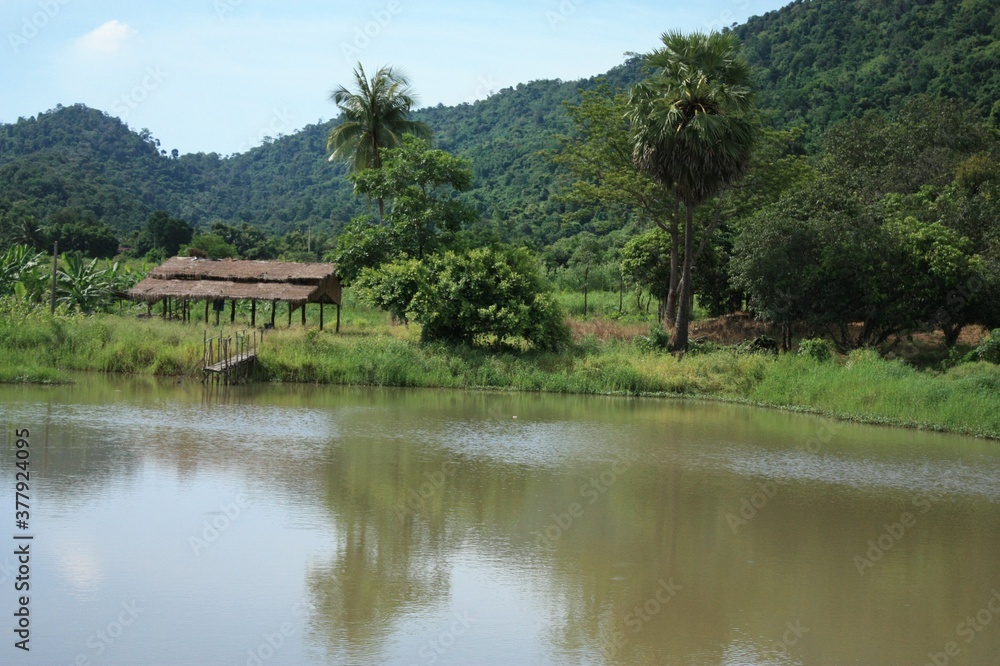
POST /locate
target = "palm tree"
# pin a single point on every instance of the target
(694, 130)
(374, 116)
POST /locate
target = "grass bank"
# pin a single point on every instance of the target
(37, 347)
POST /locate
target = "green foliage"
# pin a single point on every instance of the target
(818, 349)
(658, 339)
(989, 349)
(392, 286)
(481, 296)
(214, 245)
(421, 185)
(79, 232)
(165, 233)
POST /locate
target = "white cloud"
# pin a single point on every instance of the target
(106, 39)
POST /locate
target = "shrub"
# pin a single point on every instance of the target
(658, 339)
(818, 349)
(989, 349)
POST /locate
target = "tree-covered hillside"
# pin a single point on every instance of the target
(819, 61)
(815, 61)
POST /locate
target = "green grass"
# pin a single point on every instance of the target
(38, 347)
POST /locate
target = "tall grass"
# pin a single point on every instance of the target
(38, 347)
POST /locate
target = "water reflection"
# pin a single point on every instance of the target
(434, 527)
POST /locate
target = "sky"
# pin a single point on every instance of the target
(220, 75)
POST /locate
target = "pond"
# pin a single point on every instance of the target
(177, 524)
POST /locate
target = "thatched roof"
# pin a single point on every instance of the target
(203, 279)
(189, 268)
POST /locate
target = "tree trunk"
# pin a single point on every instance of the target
(951, 333)
(586, 285)
(670, 318)
(679, 333)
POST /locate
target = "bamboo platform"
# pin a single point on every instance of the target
(230, 359)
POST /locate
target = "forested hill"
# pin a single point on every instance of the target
(817, 61)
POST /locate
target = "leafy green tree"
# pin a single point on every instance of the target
(493, 295)
(374, 116)
(214, 245)
(425, 214)
(694, 131)
(603, 175)
(421, 184)
(165, 233)
(80, 232)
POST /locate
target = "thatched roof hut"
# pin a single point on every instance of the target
(188, 278)
(191, 279)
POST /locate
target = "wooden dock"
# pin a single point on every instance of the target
(230, 359)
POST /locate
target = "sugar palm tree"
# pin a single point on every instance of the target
(694, 130)
(374, 116)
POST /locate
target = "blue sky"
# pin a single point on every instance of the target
(219, 75)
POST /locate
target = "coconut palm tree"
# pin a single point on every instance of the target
(694, 129)
(374, 116)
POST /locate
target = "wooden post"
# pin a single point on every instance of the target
(337, 330)
(232, 312)
(321, 315)
(55, 263)
(274, 310)
(165, 307)
(206, 312)
(217, 311)
(253, 312)
(304, 314)
(289, 314)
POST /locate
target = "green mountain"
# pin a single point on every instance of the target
(817, 61)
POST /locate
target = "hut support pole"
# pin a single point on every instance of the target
(337, 330)
(321, 316)
(274, 310)
(217, 311)
(253, 313)
(232, 311)
(206, 312)
(289, 314)
(165, 307)
(304, 313)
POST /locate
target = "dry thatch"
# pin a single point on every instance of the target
(194, 279)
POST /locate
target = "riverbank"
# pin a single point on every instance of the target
(37, 347)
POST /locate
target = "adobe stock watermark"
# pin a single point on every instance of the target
(102, 640)
(271, 642)
(487, 86)
(223, 8)
(364, 34)
(893, 533)
(751, 506)
(134, 98)
(227, 515)
(562, 13)
(792, 636)
(967, 630)
(437, 646)
(726, 18)
(595, 488)
(416, 498)
(279, 123)
(33, 24)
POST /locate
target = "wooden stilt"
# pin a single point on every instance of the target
(274, 309)
(289, 314)
(303, 314)
(321, 316)
(206, 311)
(232, 312)
(337, 330)
(253, 313)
